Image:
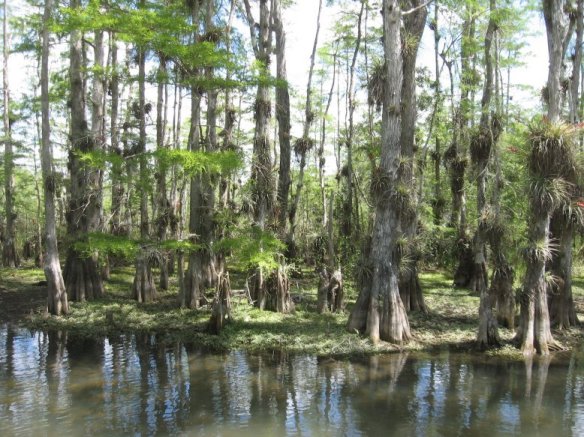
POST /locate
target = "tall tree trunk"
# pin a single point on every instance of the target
(534, 332)
(409, 283)
(193, 280)
(267, 292)
(163, 218)
(438, 201)
(9, 255)
(116, 173)
(143, 288)
(82, 274)
(482, 144)
(57, 297)
(347, 220)
(283, 117)
(305, 143)
(386, 316)
(457, 154)
(561, 301)
(207, 211)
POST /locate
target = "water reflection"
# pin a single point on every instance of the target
(54, 384)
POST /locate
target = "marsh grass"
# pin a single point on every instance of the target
(450, 323)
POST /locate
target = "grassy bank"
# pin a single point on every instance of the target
(451, 321)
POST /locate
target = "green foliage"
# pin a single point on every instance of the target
(106, 243)
(99, 158)
(128, 248)
(218, 163)
(253, 248)
(180, 245)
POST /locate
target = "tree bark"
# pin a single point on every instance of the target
(561, 300)
(116, 172)
(283, 117)
(534, 332)
(482, 144)
(386, 315)
(457, 155)
(164, 212)
(409, 283)
(82, 274)
(57, 303)
(143, 288)
(271, 292)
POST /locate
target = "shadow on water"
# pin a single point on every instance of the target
(54, 384)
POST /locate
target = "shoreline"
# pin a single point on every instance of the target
(450, 323)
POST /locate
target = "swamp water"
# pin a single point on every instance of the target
(131, 385)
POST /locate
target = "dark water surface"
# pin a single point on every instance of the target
(130, 385)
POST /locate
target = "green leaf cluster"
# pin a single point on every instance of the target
(222, 163)
(254, 248)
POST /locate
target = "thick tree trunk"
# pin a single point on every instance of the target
(271, 292)
(202, 270)
(193, 277)
(561, 300)
(534, 333)
(143, 288)
(482, 145)
(57, 303)
(457, 155)
(557, 32)
(82, 274)
(409, 284)
(386, 315)
(501, 288)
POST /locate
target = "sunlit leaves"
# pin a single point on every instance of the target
(201, 162)
(254, 248)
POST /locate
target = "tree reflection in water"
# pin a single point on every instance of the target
(51, 383)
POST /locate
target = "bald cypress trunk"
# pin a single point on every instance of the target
(268, 291)
(534, 333)
(409, 283)
(457, 155)
(57, 303)
(561, 300)
(164, 213)
(482, 144)
(143, 288)
(82, 274)
(380, 302)
(283, 117)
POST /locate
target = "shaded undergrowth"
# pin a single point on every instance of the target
(451, 321)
